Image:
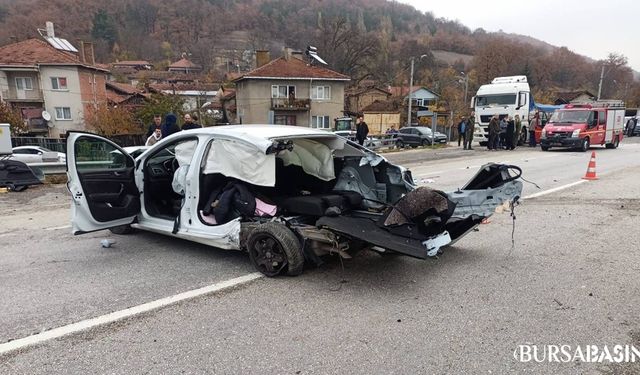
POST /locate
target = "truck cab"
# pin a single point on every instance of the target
(579, 126)
(504, 96)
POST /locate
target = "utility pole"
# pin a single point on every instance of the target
(600, 85)
(410, 89)
(466, 87)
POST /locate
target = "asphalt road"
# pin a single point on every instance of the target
(570, 278)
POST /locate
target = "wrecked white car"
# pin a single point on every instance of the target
(284, 194)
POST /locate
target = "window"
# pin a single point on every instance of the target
(95, 155)
(59, 83)
(321, 92)
(603, 118)
(24, 83)
(284, 119)
(63, 113)
(280, 91)
(320, 122)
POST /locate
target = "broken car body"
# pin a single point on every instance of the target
(285, 194)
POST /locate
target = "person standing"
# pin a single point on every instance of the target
(509, 134)
(502, 132)
(533, 124)
(156, 124)
(169, 127)
(362, 130)
(469, 130)
(154, 137)
(461, 131)
(189, 124)
(516, 135)
(494, 130)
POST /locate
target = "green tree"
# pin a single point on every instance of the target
(160, 104)
(104, 28)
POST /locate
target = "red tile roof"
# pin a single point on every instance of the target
(384, 106)
(131, 63)
(123, 88)
(38, 52)
(184, 64)
(185, 86)
(292, 68)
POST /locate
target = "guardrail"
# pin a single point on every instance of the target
(50, 168)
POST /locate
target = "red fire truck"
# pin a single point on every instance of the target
(581, 125)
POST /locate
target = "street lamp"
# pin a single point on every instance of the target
(411, 90)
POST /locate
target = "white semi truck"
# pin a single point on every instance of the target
(503, 96)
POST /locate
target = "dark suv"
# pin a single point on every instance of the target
(418, 136)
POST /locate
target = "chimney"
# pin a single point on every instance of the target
(297, 55)
(262, 58)
(86, 53)
(50, 30)
(287, 53)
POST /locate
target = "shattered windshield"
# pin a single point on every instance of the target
(502, 99)
(570, 116)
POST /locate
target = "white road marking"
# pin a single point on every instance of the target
(555, 189)
(60, 227)
(126, 313)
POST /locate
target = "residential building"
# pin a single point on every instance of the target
(35, 76)
(381, 115)
(420, 96)
(125, 96)
(566, 97)
(359, 97)
(133, 64)
(184, 65)
(290, 91)
(194, 94)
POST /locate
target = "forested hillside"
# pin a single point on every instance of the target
(366, 39)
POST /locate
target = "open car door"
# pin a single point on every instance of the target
(101, 181)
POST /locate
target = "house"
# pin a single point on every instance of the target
(184, 65)
(134, 65)
(38, 75)
(194, 94)
(357, 98)
(125, 95)
(381, 115)
(290, 91)
(420, 96)
(566, 97)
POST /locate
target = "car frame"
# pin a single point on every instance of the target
(330, 196)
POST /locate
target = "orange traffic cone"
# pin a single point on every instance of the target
(591, 169)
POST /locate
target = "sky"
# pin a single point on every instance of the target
(588, 27)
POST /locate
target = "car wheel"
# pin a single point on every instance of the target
(545, 148)
(122, 229)
(585, 145)
(273, 248)
(399, 143)
(424, 142)
(18, 188)
(614, 144)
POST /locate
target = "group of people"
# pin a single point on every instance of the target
(504, 133)
(159, 129)
(466, 127)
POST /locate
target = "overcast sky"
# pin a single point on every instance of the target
(588, 27)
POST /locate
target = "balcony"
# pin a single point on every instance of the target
(285, 104)
(23, 96)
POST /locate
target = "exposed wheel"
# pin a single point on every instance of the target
(523, 137)
(545, 148)
(614, 144)
(399, 143)
(18, 188)
(122, 229)
(424, 142)
(584, 147)
(274, 248)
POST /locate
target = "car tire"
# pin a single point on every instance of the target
(545, 148)
(274, 249)
(424, 143)
(122, 229)
(614, 144)
(18, 188)
(399, 143)
(584, 147)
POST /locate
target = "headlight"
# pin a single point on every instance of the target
(575, 134)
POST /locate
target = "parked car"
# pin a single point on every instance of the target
(371, 143)
(284, 194)
(37, 154)
(418, 136)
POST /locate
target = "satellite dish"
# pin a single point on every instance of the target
(46, 116)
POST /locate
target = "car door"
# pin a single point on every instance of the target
(598, 136)
(102, 184)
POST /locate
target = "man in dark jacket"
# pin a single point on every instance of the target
(156, 124)
(169, 127)
(469, 130)
(362, 130)
(462, 128)
(189, 124)
(494, 130)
